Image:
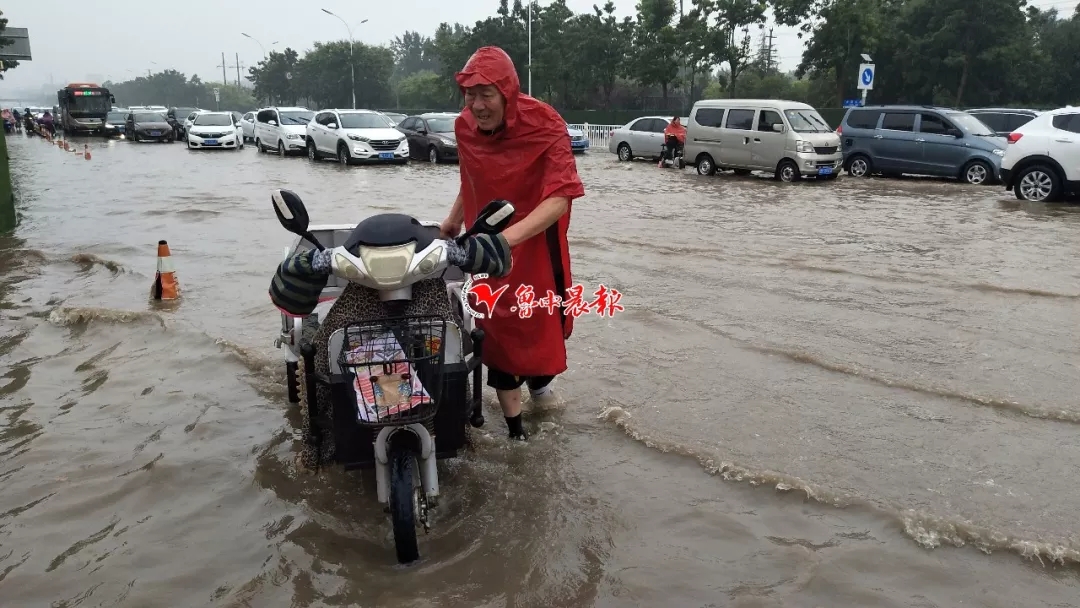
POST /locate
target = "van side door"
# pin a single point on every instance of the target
(894, 147)
(769, 144)
(738, 134)
(942, 154)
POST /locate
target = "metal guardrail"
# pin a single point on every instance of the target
(598, 134)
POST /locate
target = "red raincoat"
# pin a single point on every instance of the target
(526, 162)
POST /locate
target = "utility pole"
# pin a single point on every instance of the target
(769, 60)
(530, 47)
(238, 65)
(224, 78)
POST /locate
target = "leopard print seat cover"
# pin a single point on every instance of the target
(356, 303)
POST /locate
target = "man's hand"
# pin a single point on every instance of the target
(450, 228)
(482, 254)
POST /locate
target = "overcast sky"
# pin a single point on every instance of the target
(73, 40)
(117, 39)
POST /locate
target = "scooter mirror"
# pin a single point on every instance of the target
(290, 211)
(494, 217)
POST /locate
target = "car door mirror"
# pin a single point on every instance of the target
(957, 133)
(779, 128)
(272, 123)
(331, 125)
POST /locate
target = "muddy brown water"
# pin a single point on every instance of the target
(849, 394)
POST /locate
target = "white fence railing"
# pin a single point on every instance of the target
(598, 134)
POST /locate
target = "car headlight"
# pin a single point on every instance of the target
(999, 152)
(804, 147)
(294, 136)
(448, 142)
(355, 137)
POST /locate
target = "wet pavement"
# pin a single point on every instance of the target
(851, 394)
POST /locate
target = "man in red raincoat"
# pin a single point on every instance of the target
(516, 148)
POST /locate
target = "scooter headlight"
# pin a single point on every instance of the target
(344, 267)
(430, 261)
(388, 265)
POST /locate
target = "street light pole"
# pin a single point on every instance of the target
(256, 42)
(352, 64)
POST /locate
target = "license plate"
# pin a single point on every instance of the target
(210, 142)
(155, 133)
(386, 155)
(824, 170)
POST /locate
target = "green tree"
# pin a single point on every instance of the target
(654, 59)
(275, 77)
(5, 65)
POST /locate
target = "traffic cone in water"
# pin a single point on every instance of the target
(86, 151)
(165, 286)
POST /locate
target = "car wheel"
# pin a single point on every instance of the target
(977, 173)
(787, 171)
(433, 155)
(343, 154)
(625, 153)
(859, 166)
(1039, 184)
(281, 148)
(705, 165)
(312, 153)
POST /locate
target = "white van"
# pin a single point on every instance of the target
(282, 129)
(786, 138)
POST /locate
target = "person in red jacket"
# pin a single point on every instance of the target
(516, 148)
(675, 136)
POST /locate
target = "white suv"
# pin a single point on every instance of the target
(281, 129)
(356, 135)
(1042, 161)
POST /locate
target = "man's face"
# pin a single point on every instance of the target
(487, 106)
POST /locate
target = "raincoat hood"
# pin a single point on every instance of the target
(491, 65)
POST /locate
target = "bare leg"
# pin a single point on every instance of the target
(510, 402)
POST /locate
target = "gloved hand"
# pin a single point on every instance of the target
(482, 254)
(320, 261)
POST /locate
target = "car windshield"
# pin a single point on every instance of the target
(149, 117)
(213, 120)
(115, 118)
(296, 117)
(363, 120)
(807, 121)
(185, 111)
(441, 125)
(970, 124)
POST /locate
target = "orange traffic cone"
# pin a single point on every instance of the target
(86, 151)
(165, 286)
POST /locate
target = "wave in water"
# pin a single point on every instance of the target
(89, 260)
(928, 530)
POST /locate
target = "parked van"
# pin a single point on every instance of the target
(787, 138)
(924, 140)
(282, 129)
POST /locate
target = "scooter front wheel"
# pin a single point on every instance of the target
(402, 505)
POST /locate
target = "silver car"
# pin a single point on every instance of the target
(641, 137)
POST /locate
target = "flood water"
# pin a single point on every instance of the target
(851, 394)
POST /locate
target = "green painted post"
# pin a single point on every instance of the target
(7, 196)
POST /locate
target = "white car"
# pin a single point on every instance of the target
(282, 129)
(247, 126)
(1042, 160)
(356, 136)
(214, 130)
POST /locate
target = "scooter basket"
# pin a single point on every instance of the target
(395, 368)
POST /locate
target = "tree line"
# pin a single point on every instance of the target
(946, 52)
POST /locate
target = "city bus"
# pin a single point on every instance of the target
(84, 106)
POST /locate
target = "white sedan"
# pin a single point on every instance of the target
(214, 130)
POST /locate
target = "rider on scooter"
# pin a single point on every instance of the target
(674, 137)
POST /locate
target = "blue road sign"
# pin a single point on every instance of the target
(852, 103)
(866, 76)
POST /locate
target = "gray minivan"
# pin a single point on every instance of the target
(923, 140)
(786, 138)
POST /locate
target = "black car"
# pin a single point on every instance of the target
(149, 126)
(176, 117)
(115, 123)
(431, 136)
(1003, 121)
